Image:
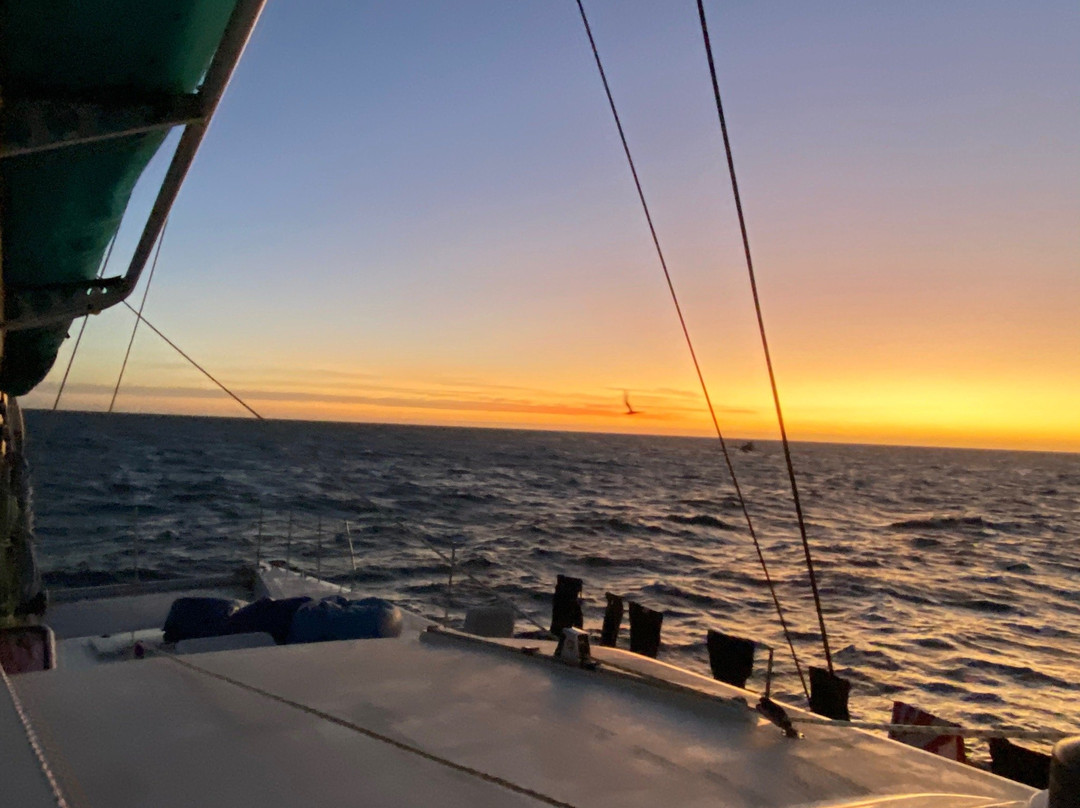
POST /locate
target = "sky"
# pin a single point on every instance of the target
(419, 212)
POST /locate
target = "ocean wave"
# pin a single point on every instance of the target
(699, 502)
(604, 562)
(663, 590)
(1018, 566)
(850, 655)
(910, 596)
(477, 561)
(701, 520)
(984, 605)
(940, 688)
(736, 578)
(943, 523)
(981, 697)
(925, 543)
(598, 525)
(1021, 674)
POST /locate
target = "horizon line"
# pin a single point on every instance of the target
(536, 428)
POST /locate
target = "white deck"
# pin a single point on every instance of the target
(154, 733)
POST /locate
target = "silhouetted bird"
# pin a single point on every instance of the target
(626, 400)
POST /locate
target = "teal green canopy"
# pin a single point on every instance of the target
(59, 207)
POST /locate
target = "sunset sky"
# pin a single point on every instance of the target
(419, 212)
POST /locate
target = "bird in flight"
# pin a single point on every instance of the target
(626, 400)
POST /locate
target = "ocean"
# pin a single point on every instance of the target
(949, 577)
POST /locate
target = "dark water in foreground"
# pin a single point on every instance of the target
(949, 577)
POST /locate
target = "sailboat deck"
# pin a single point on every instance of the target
(447, 720)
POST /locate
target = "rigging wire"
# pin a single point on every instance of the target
(764, 340)
(197, 366)
(142, 303)
(148, 324)
(82, 327)
(141, 319)
(693, 353)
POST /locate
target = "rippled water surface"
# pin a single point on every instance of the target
(949, 577)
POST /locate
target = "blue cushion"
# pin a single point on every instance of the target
(190, 618)
(272, 616)
(337, 618)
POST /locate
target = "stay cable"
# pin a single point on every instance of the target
(764, 339)
(142, 304)
(690, 346)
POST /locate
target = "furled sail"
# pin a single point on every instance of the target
(89, 89)
(88, 92)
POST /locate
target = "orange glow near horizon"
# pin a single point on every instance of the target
(403, 248)
(946, 415)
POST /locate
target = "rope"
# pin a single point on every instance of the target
(82, 327)
(764, 340)
(368, 733)
(142, 304)
(35, 744)
(197, 366)
(693, 353)
(940, 729)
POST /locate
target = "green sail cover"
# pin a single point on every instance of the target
(59, 208)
